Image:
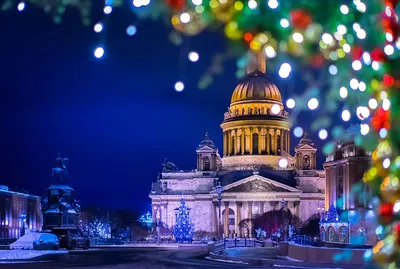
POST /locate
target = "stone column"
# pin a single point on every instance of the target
(216, 228)
(224, 143)
(273, 142)
(243, 148)
(235, 143)
(250, 214)
(259, 140)
(261, 208)
(226, 219)
(238, 218)
(281, 137)
(296, 205)
(268, 145)
(251, 141)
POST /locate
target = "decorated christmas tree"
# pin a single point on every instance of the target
(183, 229)
(332, 215)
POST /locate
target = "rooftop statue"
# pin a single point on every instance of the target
(60, 173)
(168, 166)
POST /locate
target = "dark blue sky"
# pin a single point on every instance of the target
(116, 119)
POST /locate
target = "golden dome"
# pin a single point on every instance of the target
(256, 87)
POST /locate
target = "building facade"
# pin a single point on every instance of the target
(351, 198)
(256, 183)
(18, 212)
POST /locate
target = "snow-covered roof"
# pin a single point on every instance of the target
(52, 210)
(4, 189)
(72, 211)
(60, 187)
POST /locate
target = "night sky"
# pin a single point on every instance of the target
(115, 119)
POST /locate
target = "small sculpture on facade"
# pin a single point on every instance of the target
(168, 166)
(60, 172)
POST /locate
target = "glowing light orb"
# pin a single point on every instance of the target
(193, 56)
(375, 65)
(372, 103)
(270, 52)
(313, 103)
(333, 69)
(386, 163)
(383, 133)
(283, 163)
(361, 34)
(364, 129)
(386, 104)
(354, 84)
(131, 30)
(284, 23)
(343, 92)
(179, 86)
(362, 112)
(275, 109)
(344, 9)
(290, 103)
(283, 74)
(327, 39)
(273, 4)
(346, 115)
(366, 58)
(346, 48)
(297, 37)
(98, 27)
(361, 7)
(107, 10)
(185, 17)
(388, 49)
(356, 26)
(21, 6)
(99, 52)
(252, 4)
(389, 37)
(356, 65)
(286, 67)
(298, 131)
(362, 86)
(323, 134)
(342, 29)
(197, 2)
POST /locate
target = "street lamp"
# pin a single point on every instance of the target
(219, 192)
(283, 232)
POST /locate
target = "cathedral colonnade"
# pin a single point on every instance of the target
(256, 140)
(240, 220)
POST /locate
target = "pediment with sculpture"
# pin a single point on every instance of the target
(256, 186)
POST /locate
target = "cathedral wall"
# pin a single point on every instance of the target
(311, 184)
(202, 215)
(199, 185)
(309, 208)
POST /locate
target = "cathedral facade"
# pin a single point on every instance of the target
(257, 183)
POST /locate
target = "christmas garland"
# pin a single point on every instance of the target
(355, 46)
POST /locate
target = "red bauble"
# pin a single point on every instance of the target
(176, 4)
(357, 53)
(378, 55)
(380, 119)
(300, 19)
(386, 212)
(391, 3)
(388, 80)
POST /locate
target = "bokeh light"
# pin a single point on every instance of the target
(131, 30)
(298, 131)
(290, 103)
(283, 163)
(107, 10)
(275, 109)
(99, 52)
(313, 103)
(346, 115)
(323, 134)
(21, 6)
(343, 92)
(193, 56)
(179, 86)
(98, 27)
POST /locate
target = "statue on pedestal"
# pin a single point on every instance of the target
(60, 172)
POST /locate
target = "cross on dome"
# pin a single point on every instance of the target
(256, 62)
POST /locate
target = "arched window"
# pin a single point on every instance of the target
(233, 145)
(206, 163)
(343, 234)
(331, 234)
(255, 143)
(322, 234)
(306, 162)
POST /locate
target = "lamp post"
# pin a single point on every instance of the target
(158, 216)
(283, 232)
(219, 192)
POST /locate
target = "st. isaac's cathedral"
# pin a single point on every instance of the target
(262, 183)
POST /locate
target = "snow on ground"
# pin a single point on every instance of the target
(289, 259)
(227, 261)
(26, 254)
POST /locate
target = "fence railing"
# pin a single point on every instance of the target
(302, 240)
(240, 242)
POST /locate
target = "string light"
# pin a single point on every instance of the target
(273, 4)
(290, 103)
(185, 17)
(344, 9)
(298, 131)
(354, 84)
(179, 86)
(270, 52)
(362, 86)
(323, 134)
(313, 103)
(346, 115)
(98, 27)
(107, 10)
(21, 6)
(356, 65)
(372, 103)
(131, 30)
(193, 56)
(333, 69)
(99, 52)
(197, 2)
(275, 109)
(364, 129)
(284, 23)
(389, 50)
(343, 92)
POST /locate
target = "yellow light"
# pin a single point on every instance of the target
(175, 20)
(341, 53)
(322, 45)
(342, 42)
(213, 3)
(238, 5)
(254, 45)
(263, 38)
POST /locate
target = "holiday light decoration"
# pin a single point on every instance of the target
(354, 45)
(183, 231)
